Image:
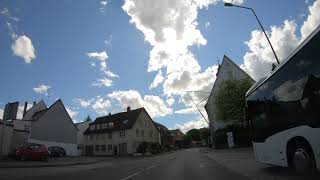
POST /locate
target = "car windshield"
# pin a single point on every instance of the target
(160, 89)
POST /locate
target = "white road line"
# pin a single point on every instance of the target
(150, 167)
(130, 176)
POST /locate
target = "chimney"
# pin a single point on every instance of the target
(34, 103)
(25, 108)
(109, 113)
(128, 108)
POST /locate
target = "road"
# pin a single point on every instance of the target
(188, 164)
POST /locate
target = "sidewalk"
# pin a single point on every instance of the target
(61, 161)
(242, 161)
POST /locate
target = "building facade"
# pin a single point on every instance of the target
(227, 70)
(121, 134)
(82, 127)
(166, 136)
(178, 137)
(50, 126)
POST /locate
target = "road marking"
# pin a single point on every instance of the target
(130, 176)
(150, 167)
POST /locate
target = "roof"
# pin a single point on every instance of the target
(121, 121)
(175, 131)
(163, 129)
(226, 60)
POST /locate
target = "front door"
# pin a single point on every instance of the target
(115, 150)
(123, 149)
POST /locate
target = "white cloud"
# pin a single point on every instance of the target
(157, 80)
(312, 21)
(101, 56)
(170, 101)
(189, 110)
(23, 48)
(236, 2)
(103, 5)
(111, 74)
(207, 24)
(7, 14)
(171, 28)
(83, 102)
(103, 82)
(258, 61)
(193, 124)
(154, 105)
(42, 89)
(72, 113)
(101, 105)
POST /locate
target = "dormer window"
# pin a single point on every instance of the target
(110, 125)
(92, 127)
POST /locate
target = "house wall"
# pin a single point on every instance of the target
(228, 70)
(6, 129)
(143, 122)
(21, 124)
(19, 138)
(55, 128)
(80, 137)
(70, 148)
(38, 107)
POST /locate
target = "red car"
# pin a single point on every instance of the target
(32, 151)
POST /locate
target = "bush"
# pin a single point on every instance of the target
(241, 136)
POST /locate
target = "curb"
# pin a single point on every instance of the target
(50, 165)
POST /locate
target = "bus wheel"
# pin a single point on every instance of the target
(302, 158)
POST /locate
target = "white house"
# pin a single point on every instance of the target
(121, 133)
(50, 126)
(226, 71)
(82, 126)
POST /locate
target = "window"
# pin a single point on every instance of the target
(137, 133)
(142, 133)
(122, 133)
(90, 137)
(92, 127)
(125, 121)
(109, 147)
(110, 125)
(26, 127)
(97, 137)
(98, 126)
(103, 148)
(97, 148)
(110, 135)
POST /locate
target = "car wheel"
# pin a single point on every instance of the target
(44, 158)
(23, 158)
(302, 158)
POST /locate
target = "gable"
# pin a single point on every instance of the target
(55, 125)
(40, 106)
(227, 70)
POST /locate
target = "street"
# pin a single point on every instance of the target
(187, 164)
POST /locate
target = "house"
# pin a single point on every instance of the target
(177, 137)
(82, 126)
(226, 71)
(121, 134)
(166, 136)
(6, 129)
(50, 126)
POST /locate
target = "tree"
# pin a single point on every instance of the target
(230, 99)
(205, 133)
(194, 134)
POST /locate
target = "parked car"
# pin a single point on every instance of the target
(56, 151)
(32, 151)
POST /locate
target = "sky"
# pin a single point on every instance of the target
(101, 56)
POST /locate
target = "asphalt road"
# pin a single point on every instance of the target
(187, 164)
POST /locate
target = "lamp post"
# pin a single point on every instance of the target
(243, 7)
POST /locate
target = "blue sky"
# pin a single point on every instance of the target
(101, 56)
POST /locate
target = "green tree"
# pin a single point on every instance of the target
(205, 133)
(194, 134)
(230, 99)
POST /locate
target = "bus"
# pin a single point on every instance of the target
(283, 110)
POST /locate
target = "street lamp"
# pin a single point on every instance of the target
(243, 7)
